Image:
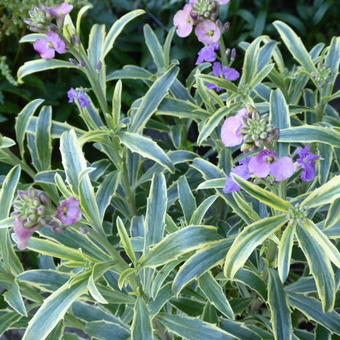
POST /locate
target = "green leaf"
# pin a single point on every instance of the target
(186, 198)
(320, 266)
(203, 260)
(78, 178)
(333, 216)
(125, 240)
(295, 46)
(54, 249)
(156, 210)
(7, 192)
(310, 134)
(130, 72)
(216, 183)
(250, 63)
(7, 320)
(313, 310)
(323, 242)
(43, 137)
(323, 195)
(22, 121)
(53, 310)
(40, 65)
(179, 243)
(14, 299)
(146, 147)
(238, 329)
(280, 312)
(93, 290)
(105, 330)
(152, 99)
(246, 242)
(141, 324)
(190, 328)
(285, 252)
(80, 15)
(198, 215)
(215, 295)
(222, 83)
(154, 47)
(262, 195)
(117, 28)
(279, 116)
(43, 279)
(106, 190)
(6, 223)
(163, 296)
(253, 281)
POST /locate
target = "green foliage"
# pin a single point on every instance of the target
(160, 250)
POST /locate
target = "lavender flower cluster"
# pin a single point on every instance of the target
(251, 131)
(33, 210)
(41, 21)
(203, 14)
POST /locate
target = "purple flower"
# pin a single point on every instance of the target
(306, 162)
(23, 234)
(231, 129)
(79, 95)
(207, 53)
(267, 163)
(207, 32)
(183, 21)
(61, 10)
(48, 46)
(223, 2)
(242, 171)
(68, 211)
(223, 72)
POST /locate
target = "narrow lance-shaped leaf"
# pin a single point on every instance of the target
(141, 324)
(186, 198)
(178, 243)
(246, 242)
(77, 176)
(295, 46)
(7, 192)
(156, 210)
(262, 195)
(117, 28)
(154, 47)
(147, 148)
(326, 194)
(280, 312)
(53, 310)
(320, 266)
(324, 243)
(204, 259)
(310, 134)
(40, 65)
(312, 308)
(43, 138)
(192, 329)
(214, 293)
(279, 116)
(285, 252)
(152, 99)
(22, 121)
(125, 240)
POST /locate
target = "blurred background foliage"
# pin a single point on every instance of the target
(315, 21)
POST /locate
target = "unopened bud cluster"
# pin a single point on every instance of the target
(297, 214)
(323, 76)
(39, 20)
(257, 131)
(33, 208)
(205, 9)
